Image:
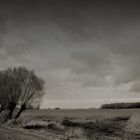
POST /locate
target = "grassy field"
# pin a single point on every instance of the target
(90, 124)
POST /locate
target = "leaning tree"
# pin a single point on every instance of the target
(19, 87)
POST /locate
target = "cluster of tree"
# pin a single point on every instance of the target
(121, 105)
(18, 87)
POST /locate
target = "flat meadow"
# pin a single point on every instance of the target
(81, 114)
(82, 124)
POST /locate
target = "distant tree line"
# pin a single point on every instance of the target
(121, 105)
(19, 87)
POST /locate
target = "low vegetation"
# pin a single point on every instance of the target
(121, 105)
(90, 124)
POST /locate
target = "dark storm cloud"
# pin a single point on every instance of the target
(75, 46)
(3, 20)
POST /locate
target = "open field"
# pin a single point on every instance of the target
(90, 124)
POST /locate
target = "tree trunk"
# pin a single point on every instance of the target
(23, 107)
(11, 113)
(11, 109)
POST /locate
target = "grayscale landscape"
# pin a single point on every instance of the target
(69, 70)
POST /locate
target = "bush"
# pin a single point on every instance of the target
(69, 123)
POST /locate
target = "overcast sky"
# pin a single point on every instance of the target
(88, 52)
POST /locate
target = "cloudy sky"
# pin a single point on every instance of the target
(88, 52)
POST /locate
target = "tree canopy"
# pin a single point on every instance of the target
(19, 86)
